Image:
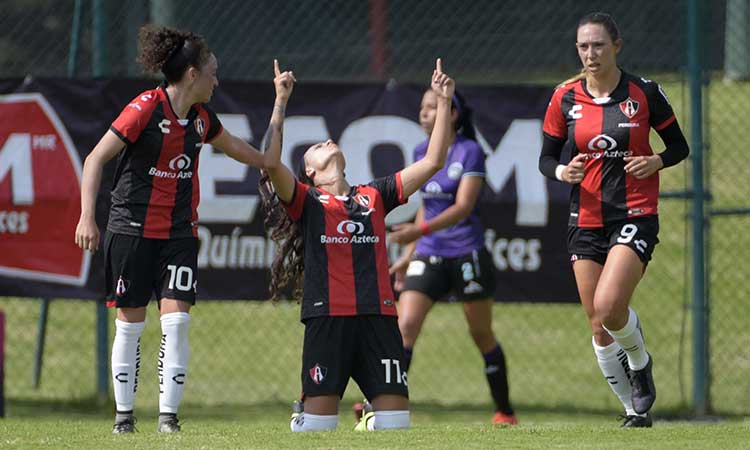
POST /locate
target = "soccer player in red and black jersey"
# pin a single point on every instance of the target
(336, 233)
(151, 245)
(605, 115)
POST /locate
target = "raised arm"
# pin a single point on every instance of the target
(281, 177)
(416, 174)
(87, 232)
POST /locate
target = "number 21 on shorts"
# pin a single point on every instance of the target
(627, 233)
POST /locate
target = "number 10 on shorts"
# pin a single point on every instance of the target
(393, 363)
(180, 277)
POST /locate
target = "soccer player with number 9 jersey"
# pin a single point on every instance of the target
(605, 115)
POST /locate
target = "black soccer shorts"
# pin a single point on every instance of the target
(465, 278)
(638, 233)
(367, 348)
(136, 267)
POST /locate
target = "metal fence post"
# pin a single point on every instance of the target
(102, 350)
(699, 309)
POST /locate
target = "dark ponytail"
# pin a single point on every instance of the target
(287, 268)
(170, 51)
(465, 122)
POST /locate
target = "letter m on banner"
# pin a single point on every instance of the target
(40, 195)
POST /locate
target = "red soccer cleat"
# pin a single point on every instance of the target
(504, 419)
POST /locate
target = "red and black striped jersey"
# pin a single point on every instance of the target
(156, 189)
(346, 260)
(607, 130)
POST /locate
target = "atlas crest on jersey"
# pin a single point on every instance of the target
(363, 200)
(629, 107)
(200, 126)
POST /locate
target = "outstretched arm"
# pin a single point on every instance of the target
(416, 174)
(281, 177)
(238, 149)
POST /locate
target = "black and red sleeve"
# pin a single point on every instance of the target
(297, 205)
(214, 124)
(554, 121)
(391, 190)
(135, 116)
(661, 114)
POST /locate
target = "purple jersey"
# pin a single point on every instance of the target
(465, 159)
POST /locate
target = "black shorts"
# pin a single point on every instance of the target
(136, 267)
(466, 278)
(365, 348)
(638, 233)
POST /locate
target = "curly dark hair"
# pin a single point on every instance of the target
(170, 51)
(287, 268)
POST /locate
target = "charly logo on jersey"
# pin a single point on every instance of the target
(200, 126)
(575, 113)
(604, 146)
(350, 232)
(177, 166)
(455, 170)
(629, 107)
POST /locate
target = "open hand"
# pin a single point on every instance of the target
(283, 82)
(442, 84)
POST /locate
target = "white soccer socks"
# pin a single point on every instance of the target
(174, 354)
(614, 364)
(630, 339)
(314, 422)
(126, 362)
(389, 420)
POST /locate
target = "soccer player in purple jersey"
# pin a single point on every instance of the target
(151, 245)
(336, 233)
(444, 250)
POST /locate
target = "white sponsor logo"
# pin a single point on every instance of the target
(573, 113)
(135, 106)
(164, 124)
(350, 227)
(180, 162)
(455, 170)
(433, 187)
(602, 142)
(346, 228)
(611, 154)
(181, 175)
(629, 125)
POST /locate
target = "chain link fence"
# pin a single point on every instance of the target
(249, 352)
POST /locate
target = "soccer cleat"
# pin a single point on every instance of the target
(365, 415)
(636, 421)
(168, 424)
(297, 408)
(501, 418)
(124, 426)
(644, 392)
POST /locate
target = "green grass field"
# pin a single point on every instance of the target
(266, 427)
(245, 361)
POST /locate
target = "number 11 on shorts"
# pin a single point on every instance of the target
(400, 376)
